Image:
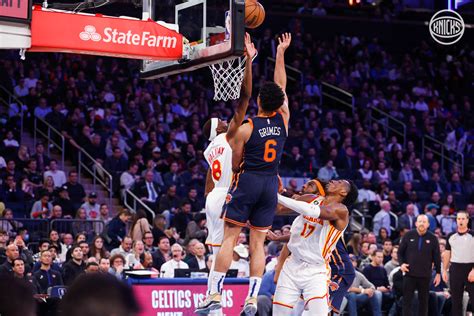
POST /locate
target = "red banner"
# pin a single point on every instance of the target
(182, 300)
(53, 31)
(15, 10)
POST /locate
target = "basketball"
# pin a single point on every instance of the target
(254, 14)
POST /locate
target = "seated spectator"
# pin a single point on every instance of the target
(387, 247)
(91, 207)
(176, 262)
(125, 247)
(81, 225)
(11, 193)
(198, 260)
(45, 276)
(182, 217)
(92, 267)
(328, 172)
(75, 190)
(172, 178)
(74, 267)
(239, 261)
(148, 191)
(97, 249)
(64, 202)
(117, 265)
(408, 219)
(139, 226)
(162, 255)
(366, 193)
(159, 227)
(146, 263)
(84, 245)
(382, 174)
(115, 165)
(377, 275)
(55, 261)
(42, 160)
(12, 252)
(265, 295)
(362, 292)
(117, 229)
(149, 242)
(42, 246)
(19, 273)
(196, 204)
(10, 141)
(455, 186)
(32, 174)
(382, 218)
(104, 265)
(430, 211)
(133, 258)
(58, 176)
(196, 228)
(128, 178)
(42, 208)
(446, 221)
(151, 166)
(104, 214)
(393, 263)
(406, 174)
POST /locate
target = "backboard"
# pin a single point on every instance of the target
(213, 29)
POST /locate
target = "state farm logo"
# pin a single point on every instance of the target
(446, 27)
(113, 35)
(90, 34)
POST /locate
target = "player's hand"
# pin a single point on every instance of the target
(437, 280)
(470, 277)
(405, 268)
(369, 292)
(284, 41)
(250, 49)
(272, 236)
(281, 188)
(446, 277)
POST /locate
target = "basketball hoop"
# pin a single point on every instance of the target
(228, 76)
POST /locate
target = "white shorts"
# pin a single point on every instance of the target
(298, 279)
(215, 224)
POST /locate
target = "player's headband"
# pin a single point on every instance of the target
(319, 186)
(214, 123)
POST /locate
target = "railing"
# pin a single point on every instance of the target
(76, 226)
(37, 228)
(52, 137)
(20, 104)
(338, 97)
(95, 170)
(438, 148)
(389, 122)
(135, 200)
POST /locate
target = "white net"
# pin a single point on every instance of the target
(228, 76)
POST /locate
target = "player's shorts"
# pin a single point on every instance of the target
(215, 225)
(300, 278)
(253, 198)
(335, 297)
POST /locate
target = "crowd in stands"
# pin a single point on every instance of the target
(147, 135)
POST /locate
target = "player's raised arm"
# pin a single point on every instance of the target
(245, 91)
(280, 72)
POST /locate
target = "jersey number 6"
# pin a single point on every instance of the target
(216, 170)
(270, 153)
(307, 230)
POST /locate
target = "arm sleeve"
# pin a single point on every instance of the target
(300, 207)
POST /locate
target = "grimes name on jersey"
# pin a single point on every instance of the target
(270, 131)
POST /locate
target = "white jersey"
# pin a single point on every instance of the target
(219, 157)
(312, 239)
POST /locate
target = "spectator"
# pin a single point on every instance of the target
(176, 262)
(128, 178)
(382, 218)
(393, 263)
(42, 160)
(377, 275)
(75, 190)
(169, 202)
(117, 265)
(125, 248)
(196, 203)
(172, 178)
(140, 225)
(10, 141)
(149, 242)
(48, 188)
(265, 295)
(445, 221)
(91, 207)
(159, 226)
(45, 276)
(407, 220)
(11, 193)
(319, 10)
(42, 207)
(133, 258)
(104, 214)
(148, 191)
(12, 252)
(64, 202)
(197, 228)
(162, 255)
(58, 176)
(455, 186)
(19, 273)
(81, 225)
(366, 194)
(182, 217)
(382, 174)
(430, 212)
(92, 267)
(74, 267)
(328, 172)
(198, 260)
(42, 246)
(239, 261)
(151, 166)
(362, 292)
(117, 228)
(104, 265)
(387, 250)
(84, 245)
(115, 165)
(97, 249)
(418, 251)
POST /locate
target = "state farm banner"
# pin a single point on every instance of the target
(181, 299)
(61, 31)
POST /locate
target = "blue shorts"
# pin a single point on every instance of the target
(335, 297)
(252, 198)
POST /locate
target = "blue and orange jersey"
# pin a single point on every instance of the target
(340, 262)
(263, 150)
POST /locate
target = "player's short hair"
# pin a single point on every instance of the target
(352, 195)
(271, 96)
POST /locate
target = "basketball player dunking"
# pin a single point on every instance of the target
(313, 238)
(252, 198)
(219, 157)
